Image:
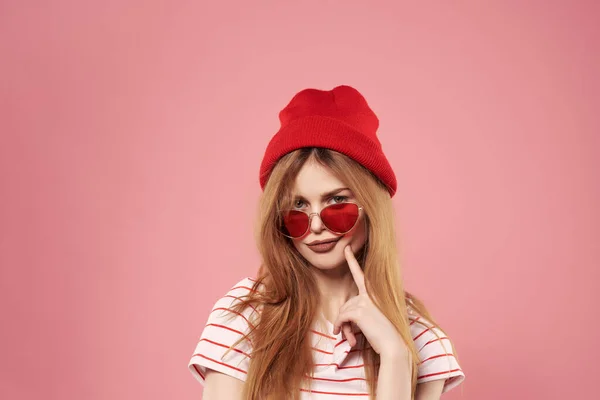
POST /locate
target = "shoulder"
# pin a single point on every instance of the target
(437, 358)
(241, 288)
(223, 308)
(422, 328)
(222, 346)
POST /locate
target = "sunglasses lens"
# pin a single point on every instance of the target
(340, 217)
(295, 223)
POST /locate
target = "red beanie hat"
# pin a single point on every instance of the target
(339, 119)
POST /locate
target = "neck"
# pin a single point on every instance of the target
(336, 286)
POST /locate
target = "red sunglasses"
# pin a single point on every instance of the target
(338, 218)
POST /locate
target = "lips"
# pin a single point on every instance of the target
(324, 246)
(327, 241)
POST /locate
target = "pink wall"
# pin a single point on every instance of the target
(131, 137)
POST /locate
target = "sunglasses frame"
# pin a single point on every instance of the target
(281, 215)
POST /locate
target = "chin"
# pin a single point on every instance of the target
(324, 261)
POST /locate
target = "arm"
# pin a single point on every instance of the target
(221, 386)
(394, 378)
(396, 386)
(431, 390)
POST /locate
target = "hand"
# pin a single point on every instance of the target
(360, 309)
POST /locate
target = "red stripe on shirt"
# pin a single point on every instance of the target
(229, 329)
(241, 287)
(322, 334)
(334, 393)
(338, 365)
(225, 346)
(198, 371)
(321, 351)
(439, 373)
(337, 380)
(220, 363)
(438, 356)
(346, 339)
(420, 334)
(240, 299)
(435, 340)
(235, 312)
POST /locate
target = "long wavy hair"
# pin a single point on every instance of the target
(285, 292)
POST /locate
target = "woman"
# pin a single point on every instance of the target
(327, 316)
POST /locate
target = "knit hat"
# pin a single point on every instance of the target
(339, 119)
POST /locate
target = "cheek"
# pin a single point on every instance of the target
(359, 230)
(297, 245)
(358, 235)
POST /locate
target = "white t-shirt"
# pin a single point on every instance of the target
(339, 368)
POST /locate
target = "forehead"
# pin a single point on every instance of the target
(313, 179)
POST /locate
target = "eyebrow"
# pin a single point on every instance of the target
(324, 195)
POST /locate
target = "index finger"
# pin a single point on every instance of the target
(357, 273)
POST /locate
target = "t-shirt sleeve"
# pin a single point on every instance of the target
(436, 354)
(223, 328)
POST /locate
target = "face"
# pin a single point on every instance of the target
(312, 183)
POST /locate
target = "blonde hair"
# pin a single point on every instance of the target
(289, 299)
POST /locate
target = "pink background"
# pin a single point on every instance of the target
(131, 137)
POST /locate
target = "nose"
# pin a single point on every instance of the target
(316, 225)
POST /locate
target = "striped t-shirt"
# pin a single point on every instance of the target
(339, 368)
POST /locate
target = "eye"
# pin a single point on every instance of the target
(343, 199)
(298, 203)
